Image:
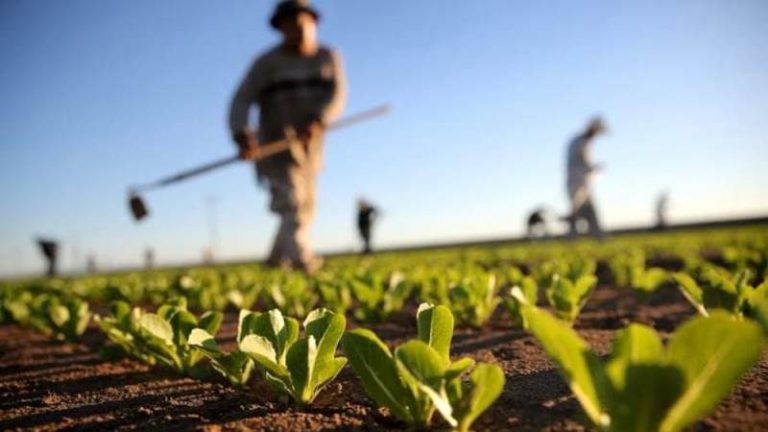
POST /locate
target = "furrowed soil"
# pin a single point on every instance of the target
(51, 385)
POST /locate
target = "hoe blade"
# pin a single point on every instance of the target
(138, 209)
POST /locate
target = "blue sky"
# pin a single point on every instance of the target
(98, 95)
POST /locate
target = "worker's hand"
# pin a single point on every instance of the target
(310, 134)
(248, 145)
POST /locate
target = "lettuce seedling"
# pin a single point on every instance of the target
(378, 296)
(529, 289)
(418, 378)
(642, 386)
(473, 299)
(50, 313)
(235, 366)
(717, 289)
(297, 367)
(629, 271)
(161, 336)
(166, 335)
(567, 296)
(123, 328)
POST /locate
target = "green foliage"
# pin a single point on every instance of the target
(292, 293)
(418, 378)
(629, 271)
(159, 338)
(641, 386)
(297, 366)
(716, 288)
(379, 294)
(529, 289)
(53, 314)
(473, 299)
(235, 366)
(567, 296)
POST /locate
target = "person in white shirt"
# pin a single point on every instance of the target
(581, 169)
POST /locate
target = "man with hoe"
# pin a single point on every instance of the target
(299, 88)
(581, 169)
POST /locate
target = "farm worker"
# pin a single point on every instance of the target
(299, 88)
(366, 213)
(662, 202)
(580, 171)
(50, 250)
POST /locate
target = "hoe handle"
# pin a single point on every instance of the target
(267, 150)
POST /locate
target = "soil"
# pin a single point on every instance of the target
(51, 385)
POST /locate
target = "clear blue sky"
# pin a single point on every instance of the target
(97, 95)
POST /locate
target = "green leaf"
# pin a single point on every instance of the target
(157, 327)
(203, 340)
(486, 385)
(634, 344)
(261, 350)
(648, 390)
(713, 353)
(577, 363)
(182, 323)
(435, 328)
(327, 328)
(458, 367)
(300, 360)
(211, 321)
(423, 370)
(59, 314)
(373, 364)
(691, 291)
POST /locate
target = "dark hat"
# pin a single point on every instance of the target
(287, 8)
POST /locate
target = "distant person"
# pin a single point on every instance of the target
(536, 224)
(50, 250)
(298, 86)
(366, 214)
(580, 172)
(90, 264)
(149, 259)
(662, 202)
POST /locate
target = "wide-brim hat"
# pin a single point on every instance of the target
(289, 8)
(597, 125)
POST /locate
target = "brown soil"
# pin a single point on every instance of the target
(52, 385)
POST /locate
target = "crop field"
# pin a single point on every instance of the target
(642, 332)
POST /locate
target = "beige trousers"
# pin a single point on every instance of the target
(292, 185)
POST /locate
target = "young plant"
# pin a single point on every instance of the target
(292, 294)
(123, 328)
(643, 386)
(567, 296)
(473, 299)
(335, 291)
(718, 290)
(629, 271)
(419, 377)
(50, 313)
(378, 296)
(529, 289)
(162, 336)
(297, 367)
(235, 366)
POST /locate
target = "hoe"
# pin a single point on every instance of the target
(139, 209)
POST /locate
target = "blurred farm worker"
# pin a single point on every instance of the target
(536, 223)
(366, 214)
(299, 88)
(662, 202)
(580, 172)
(50, 250)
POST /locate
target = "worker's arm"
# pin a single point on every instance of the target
(338, 101)
(245, 97)
(586, 157)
